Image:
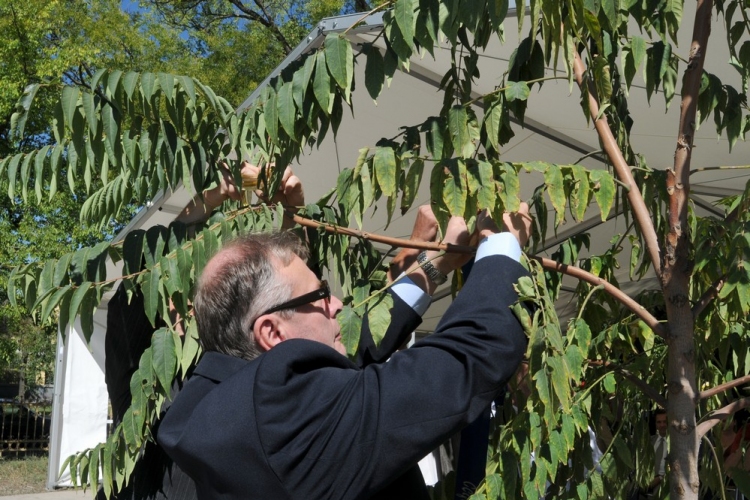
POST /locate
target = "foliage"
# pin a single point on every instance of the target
(137, 133)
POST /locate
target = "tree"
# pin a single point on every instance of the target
(140, 133)
(63, 42)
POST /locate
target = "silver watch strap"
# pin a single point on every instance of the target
(431, 271)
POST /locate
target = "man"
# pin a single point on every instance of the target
(155, 476)
(661, 448)
(275, 410)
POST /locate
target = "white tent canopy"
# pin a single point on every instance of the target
(555, 131)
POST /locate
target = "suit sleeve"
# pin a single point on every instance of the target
(404, 320)
(362, 428)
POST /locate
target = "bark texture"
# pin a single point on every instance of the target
(683, 394)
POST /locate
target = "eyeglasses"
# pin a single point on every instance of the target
(321, 293)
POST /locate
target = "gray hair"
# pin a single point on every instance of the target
(239, 287)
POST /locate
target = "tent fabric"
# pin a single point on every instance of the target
(555, 130)
(80, 415)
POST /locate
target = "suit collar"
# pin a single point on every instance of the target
(219, 367)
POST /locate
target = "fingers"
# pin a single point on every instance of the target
(457, 233)
(425, 225)
(293, 192)
(519, 224)
(485, 225)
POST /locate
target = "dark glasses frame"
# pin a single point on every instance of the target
(321, 293)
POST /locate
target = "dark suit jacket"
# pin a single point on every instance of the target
(303, 422)
(155, 476)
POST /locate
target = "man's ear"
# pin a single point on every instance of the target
(267, 332)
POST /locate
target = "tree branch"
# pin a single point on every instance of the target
(548, 264)
(720, 415)
(619, 295)
(265, 20)
(643, 386)
(724, 387)
(622, 169)
(708, 296)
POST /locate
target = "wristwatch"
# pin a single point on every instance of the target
(431, 271)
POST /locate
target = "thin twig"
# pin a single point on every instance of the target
(615, 292)
(724, 387)
(643, 386)
(727, 167)
(503, 89)
(366, 15)
(720, 415)
(588, 155)
(640, 211)
(717, 464)
(708, 296)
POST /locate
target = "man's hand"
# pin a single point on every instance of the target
(516, 223)
(426, 229)
(290, 192)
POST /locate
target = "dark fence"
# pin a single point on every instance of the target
(24, 428)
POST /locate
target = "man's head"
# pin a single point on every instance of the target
(251, 276)
(661, 422)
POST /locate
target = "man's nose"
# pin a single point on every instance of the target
(336, 305)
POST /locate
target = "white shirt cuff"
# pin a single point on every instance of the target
(499, 244)
(410, 293)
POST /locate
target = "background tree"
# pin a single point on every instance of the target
(63, 42)
(139, 133)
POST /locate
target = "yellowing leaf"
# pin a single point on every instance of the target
(604, 191)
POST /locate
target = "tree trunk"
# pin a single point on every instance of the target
(681, 382)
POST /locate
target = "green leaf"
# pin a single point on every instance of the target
(18, 120)
(413, 180)
(77, 299)
(384, 164)
(497, 9)
(611, 11)
(53, 301)
(150, 286)
(129, 82)
(455, 189)
(164, 360)
(111, 132)
(12, 169)
(741, 479)
(86, 312)
(638, 49)
(69, 103)
(560, 377)
(403, 13)
(338, 56)
(374, 71)
(322, 84)
(379, 316)
(89, 107)
(351, 326)
(25, 173)
(493, 123)
(553, 180)
(433, 128)
(190, 346)
(604, 191)
(40, 159)
(287, 109)
(517, 91)
(458, 126)
(581, 192)
(132, 428)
